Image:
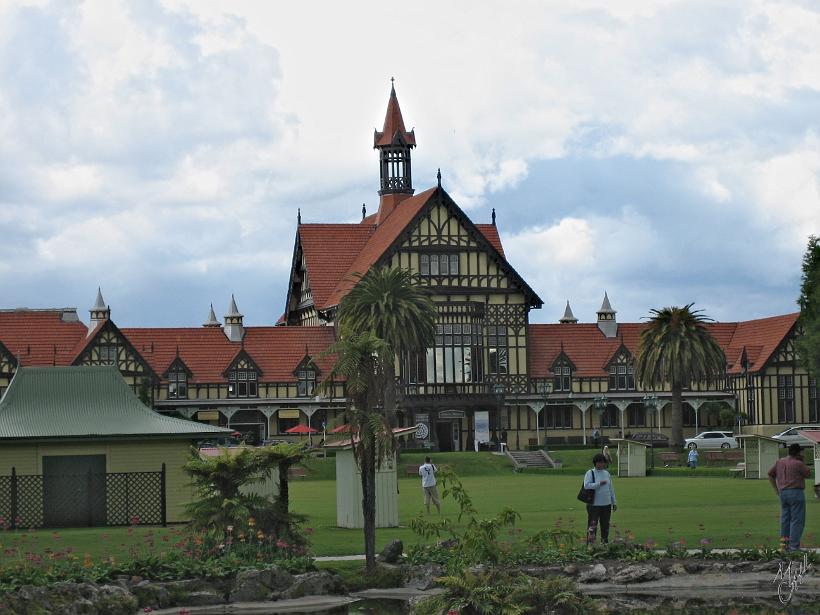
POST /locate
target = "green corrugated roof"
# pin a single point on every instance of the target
(84, 402)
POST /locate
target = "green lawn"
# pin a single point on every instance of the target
(669, 505)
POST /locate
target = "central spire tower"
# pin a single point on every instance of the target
(394, 143)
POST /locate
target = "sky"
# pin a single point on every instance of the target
(663, 152)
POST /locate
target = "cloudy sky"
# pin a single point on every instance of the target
(665, 151)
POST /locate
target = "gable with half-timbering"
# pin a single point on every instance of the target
(110, 347)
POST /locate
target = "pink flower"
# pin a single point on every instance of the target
(282, 544)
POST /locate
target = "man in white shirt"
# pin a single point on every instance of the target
(427, 471)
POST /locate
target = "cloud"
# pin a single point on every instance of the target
(664, 151)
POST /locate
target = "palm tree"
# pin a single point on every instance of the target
(385, 316)
(677, 349)
(361, 360)
(391, 304)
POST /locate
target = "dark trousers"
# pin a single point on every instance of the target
(598, 515)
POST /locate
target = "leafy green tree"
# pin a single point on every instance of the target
(677, 349)
(808, 345)
(391, 304)
(224, 489)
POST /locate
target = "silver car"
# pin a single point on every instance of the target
(791, 435)
(712, 439)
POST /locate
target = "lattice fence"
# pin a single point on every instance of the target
(122, 498)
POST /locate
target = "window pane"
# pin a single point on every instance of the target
(444, 268)
(454, 264)
(424, 264)
(434, 266)
(242, 388)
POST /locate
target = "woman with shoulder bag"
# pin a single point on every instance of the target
(602, 505)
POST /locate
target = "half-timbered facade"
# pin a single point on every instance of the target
(489, 375)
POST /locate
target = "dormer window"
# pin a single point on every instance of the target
(438, 264)
(621, 377)
(306, 383)
(243, 383)
(562, 374)
(177, 383)
(108, 354)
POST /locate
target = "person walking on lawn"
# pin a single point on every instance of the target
(604, 503)
(788, 477)
(427, 471)
(693, 458)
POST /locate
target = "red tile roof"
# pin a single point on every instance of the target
(40, 337)
(330, 250)
(207, 352)
(490, 233)
(382, 238)
(334, 252)
(761, 338)
(590, 350)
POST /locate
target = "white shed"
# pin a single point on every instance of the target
(631, 457)
(759, 454)
(814, 436)
(349, 487)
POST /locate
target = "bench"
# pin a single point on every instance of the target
(670, 459)
(739, 469)
(411, 470)
(724, 455)
(295, 472)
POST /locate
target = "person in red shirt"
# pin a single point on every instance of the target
(788, 477)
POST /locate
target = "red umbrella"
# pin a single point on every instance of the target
(303, 429)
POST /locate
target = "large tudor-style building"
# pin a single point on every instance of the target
(526, 382)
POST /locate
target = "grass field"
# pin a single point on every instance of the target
(670, 505)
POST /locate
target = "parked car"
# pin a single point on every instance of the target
(791, 435)
(653, 439)
(713, 439)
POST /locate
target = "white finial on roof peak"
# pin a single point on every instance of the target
(99, 312)
(99, 304)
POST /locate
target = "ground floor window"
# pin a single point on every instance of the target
(785, 399)
(555, 417)
(636, 416)
(609, 417)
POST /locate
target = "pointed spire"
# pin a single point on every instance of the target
(299, 215)
(233, 323)
(232, 309)
(568, 317)
(494, 225)
(606, 318)
(438, 177)
(393, 128)
(606, 308)
(99, 304)
(99, 312)
(212, 321)
(364, 211)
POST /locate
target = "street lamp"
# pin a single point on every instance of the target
(601, 403)
(545, 388)
(650, 402)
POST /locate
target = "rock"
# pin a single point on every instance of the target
(391, 554)
(677, 568)
(693, 567)
(637, 573)
(114, 600)
(423, 577)
(315, 584)
(203, 598)
(154, 595)
(594, 574)
(256, 585)
(570, 570)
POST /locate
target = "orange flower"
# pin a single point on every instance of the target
(251, 522)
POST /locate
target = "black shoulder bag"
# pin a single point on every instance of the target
(587, 496)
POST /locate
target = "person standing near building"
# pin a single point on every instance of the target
(693, 457)
(788, 477)
(604, 503)
(427, 471)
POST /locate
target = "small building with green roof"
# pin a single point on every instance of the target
(78, 448)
